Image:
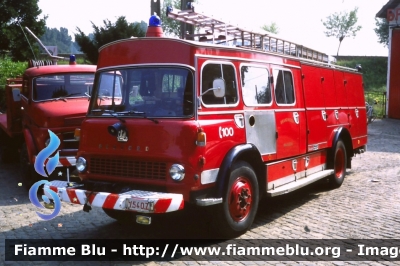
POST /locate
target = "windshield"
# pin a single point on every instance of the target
(146, 92)
(62, 86)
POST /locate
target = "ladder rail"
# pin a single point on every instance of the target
(241, 37)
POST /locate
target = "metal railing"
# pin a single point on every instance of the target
(218, 32)
(377, 100)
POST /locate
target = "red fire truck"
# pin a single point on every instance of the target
(224, 120)
(47, 97)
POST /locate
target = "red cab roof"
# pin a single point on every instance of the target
(53, 69)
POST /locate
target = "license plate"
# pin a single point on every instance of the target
(140, 204)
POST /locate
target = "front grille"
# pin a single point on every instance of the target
(69, 141)
(128, 168)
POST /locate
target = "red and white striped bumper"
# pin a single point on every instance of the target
(63, 161)
(134, 200)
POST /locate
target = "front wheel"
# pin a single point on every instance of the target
(239, 207)
(339, 165)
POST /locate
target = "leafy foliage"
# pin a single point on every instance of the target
(170, 26)
(9, 69)
(110, 32)
(59, 38)
(273, 28)
(12, 15)
(382, 30)
(342, 25)
(374, 70)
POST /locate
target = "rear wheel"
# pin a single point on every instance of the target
(239, 207)
(27, 171)
(339, 165)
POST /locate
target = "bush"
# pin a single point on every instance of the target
(9, 69)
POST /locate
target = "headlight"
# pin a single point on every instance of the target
(81, 164)
(177, 172)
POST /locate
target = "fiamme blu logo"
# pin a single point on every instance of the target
(45, 165)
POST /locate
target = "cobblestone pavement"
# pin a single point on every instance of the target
(367, 206)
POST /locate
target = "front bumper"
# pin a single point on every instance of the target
(133, 200)
(64, 161)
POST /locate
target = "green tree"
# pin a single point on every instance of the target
(59, 38)
(121, 29)
(12, 14)
(342, 25)
(170, 26)
(382, 30)
(273, 28)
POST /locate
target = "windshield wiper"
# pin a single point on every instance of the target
(133, 112)
(113, 114)
(58, 98)
(64, 98)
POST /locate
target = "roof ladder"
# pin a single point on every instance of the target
(219, 32)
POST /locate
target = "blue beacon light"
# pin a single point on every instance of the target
(155, 21)
(72, 60)
(154, 29)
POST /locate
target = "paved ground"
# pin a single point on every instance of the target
(367, 206)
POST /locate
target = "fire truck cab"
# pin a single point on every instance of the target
(47, 97)
(174, 122)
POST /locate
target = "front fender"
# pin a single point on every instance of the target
(225, 169)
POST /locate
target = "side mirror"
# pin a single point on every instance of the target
(218, 88)
(16, 94)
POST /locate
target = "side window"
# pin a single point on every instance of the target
(256, 88)
(284, 90)
(212, 71)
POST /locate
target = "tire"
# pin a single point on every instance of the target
(240, 203)
(27, 171)
(339, 165)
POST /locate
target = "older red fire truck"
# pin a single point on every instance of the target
(222, 120)
(47, 97)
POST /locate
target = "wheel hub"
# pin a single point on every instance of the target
(240, 199)
(339, 163)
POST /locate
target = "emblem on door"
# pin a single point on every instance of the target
(296, 117)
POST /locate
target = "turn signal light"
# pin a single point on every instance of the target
(77, 134)
(201, 138)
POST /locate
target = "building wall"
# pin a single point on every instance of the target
(394, 82)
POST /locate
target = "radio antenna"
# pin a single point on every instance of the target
(26, 37)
